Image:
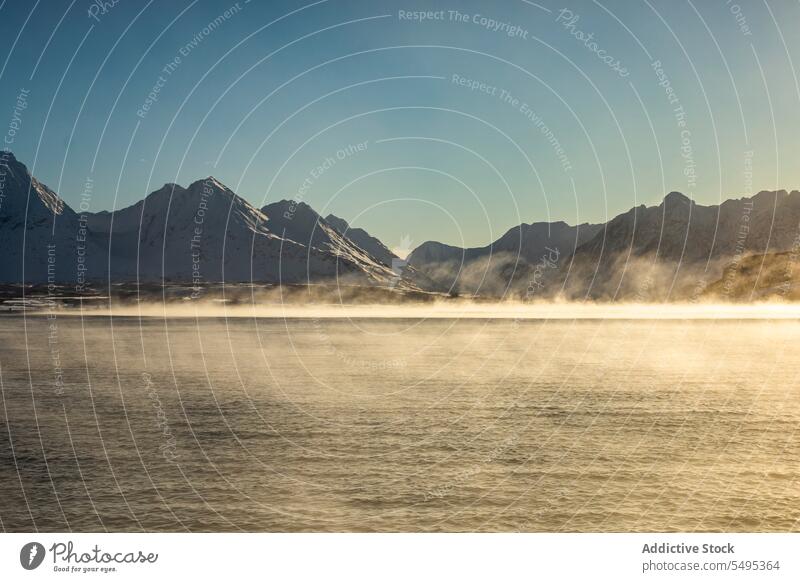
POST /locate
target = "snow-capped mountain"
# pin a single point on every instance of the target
(42, 238)
(205, 233)
(297, 221)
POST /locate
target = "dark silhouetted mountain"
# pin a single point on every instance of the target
(508, 266)
(670, 250)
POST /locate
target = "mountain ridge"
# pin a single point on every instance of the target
(207, 233)
(198, 234)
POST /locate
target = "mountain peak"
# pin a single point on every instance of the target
(339, 224)
(209, 182)
(769, 195)
(7, 156)
(169, 186)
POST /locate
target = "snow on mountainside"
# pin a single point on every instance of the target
(676, 248)
(298, 222)
(203, 233)
(767, 277)
(363, 239)
(40, 236)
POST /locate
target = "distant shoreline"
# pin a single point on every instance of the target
(330, 302)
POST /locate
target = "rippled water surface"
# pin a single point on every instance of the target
(398, 424)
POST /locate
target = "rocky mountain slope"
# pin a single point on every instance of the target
(364, 240)
(670, 250)
(517, 263)
(766, 277)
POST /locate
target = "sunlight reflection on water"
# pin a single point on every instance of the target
(409, 424)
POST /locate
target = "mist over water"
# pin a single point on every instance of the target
(444, 309)
(404, 423)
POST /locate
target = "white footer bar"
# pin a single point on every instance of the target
(387, 557)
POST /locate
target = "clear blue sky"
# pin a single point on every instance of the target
(273, 89)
